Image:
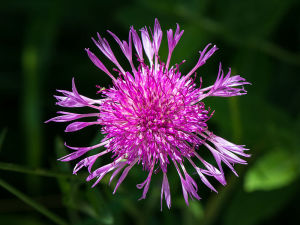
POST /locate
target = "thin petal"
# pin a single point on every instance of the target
(78, 126)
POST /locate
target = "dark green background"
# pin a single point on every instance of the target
(42, 48)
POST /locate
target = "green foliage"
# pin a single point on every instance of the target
(276, 169)
(32, 203)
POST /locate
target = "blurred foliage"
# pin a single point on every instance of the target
(42, 48)
(274, 170)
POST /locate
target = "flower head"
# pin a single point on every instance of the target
(153, 116)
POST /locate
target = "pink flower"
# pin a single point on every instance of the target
(153, 116)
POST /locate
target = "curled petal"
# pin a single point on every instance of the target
(146, 183)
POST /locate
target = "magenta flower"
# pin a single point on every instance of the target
(153, 116)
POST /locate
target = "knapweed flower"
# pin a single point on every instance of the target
(153, 115)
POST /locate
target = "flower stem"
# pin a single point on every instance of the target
(39, 172)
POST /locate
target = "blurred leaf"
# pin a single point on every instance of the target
(197, 210)
(40, 208)
(2, 137)
(68, 186)
(97, 207)
(275, 169)
(193, 213)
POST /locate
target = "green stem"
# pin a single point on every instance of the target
(235, 118)
(39, 172)
(56, 219)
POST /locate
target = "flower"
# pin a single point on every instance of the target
(153, 116)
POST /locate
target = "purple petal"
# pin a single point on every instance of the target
(87, 162)
(137, 43)
(117, 171)
(103, 45)
(227, 86)
(157, 36)
(145, 184)
(73, 155)
(126, 49)
(70, 116)
(148, 46)
(203, 57)
(98, 63)
(165, 191)
(124, 174)
(173, 41)
(78, 126)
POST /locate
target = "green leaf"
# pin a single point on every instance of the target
(274, 170)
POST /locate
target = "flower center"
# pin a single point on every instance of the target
(153, 120)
